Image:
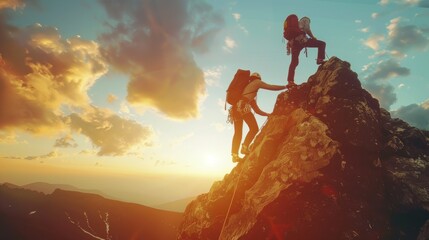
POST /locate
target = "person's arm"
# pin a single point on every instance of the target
(271, 87)
(257, 109)
(310, 34)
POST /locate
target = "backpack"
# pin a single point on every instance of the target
(291, 28)
(237, 85)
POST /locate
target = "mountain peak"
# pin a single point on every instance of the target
(324, 164)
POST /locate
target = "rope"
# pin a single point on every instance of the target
(235, 190)
(230, 204)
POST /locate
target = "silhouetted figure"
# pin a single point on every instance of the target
(243, 111)
(296, 33)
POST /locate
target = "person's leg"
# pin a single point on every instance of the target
(320, 45)
(238, 133)
(250, 120)
(293, 63)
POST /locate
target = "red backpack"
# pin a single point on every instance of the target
(237, 85)
(291, 28)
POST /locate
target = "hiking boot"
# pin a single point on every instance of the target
(320, 61)
(291, 85)
(236, 158)
(244, 149)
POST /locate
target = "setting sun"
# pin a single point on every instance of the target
(211, 161)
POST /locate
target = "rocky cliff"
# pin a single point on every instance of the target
(328, 164)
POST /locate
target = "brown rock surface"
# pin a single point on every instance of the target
(328, 164)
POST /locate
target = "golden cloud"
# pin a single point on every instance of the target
(42, 72)
(155, 45)
(112, 134)
(11, 4)
(43, 75)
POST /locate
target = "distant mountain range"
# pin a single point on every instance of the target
(176, 206)
(48, 188)
(41, 213)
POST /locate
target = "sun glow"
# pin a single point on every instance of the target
(211, 161)
(214, 164)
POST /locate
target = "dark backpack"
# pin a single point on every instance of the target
(237, 85)
(291, 28)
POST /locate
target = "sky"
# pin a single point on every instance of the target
(128, 96)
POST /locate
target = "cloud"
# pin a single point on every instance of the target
(385, 53)
(89, 152)
(65, 142)
(409, 37)
(425, 104)
(52, 154)
(410, 2)
(154, 42)
(212, 75)
(111, 98)
(373, 42)
(124, 108)
(384, 93)
(415, 114)
(364, 30)
(383, 2)
(42, 72)
(385, 70)
(420, 3)
(8, 137)
(229, 43)
(112, 134)
(236, 16)
(11, 4)
(400, 38)
(44, 84)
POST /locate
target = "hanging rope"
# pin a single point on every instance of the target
(230, 204)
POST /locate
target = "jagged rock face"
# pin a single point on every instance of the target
(405, 158)
(328, 164)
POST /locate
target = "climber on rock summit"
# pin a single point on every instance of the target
(296, 33)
